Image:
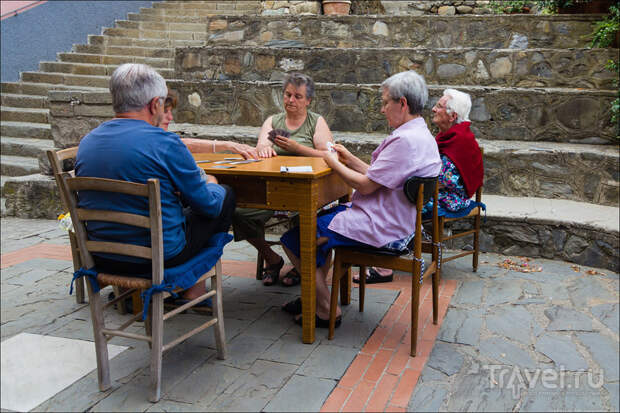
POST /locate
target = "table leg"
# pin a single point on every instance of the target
(307, 239)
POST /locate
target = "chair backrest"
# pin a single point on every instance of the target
(57, 161)
(72, 186)
(412, 184)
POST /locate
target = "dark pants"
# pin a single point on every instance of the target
(198, 231)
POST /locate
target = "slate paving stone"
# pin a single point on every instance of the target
(554, 292)
(327, 362)
(512, 322)
(505, 352)
(477, 393)
(301, 394)
(272, 324)
(289, 349)
(131, 397)
(173, 406)
(549, 395)
(604, 351)
(470, 293)
(445, 358)
(427, 397)
(462, 326)
(583, 290)
(244, 350)
(564, 318)
(607, 314)
(562, 350)
(78, 397)
(204, 384)
(614, 395)
(254, 389)
(505, 292)
(431, 374)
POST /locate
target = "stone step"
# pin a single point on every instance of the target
(587, 173)
(198, 12)
(25, 130)
(25, 146)
(424, 7)
(40, 89)
(526, 226)
(541, 114)
(23, 101)
(583, 68)
(209, 5)
(91, 69)
(24, 114)
(155, 34)
(104, 59)
(134, 51)
(66, 79)
(159, 18)
(161, 26)
(520, 31)
(138, 42)
(18, 165)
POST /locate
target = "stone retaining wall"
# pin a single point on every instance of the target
(508, 67)
(556, 115)
(497, 32)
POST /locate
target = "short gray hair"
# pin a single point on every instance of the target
(459, 103)
(134, 85)
(298, 80)
(409, 85)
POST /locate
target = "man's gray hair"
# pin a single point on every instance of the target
(134, 85)
(409, 85)
(459, 103)
(298, 80)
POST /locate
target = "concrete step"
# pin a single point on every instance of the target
(541, 114)
(40, 89)
(155, 34)
(104, 59)
(66, 79)
(91, 69)
(161, 26)
(23, 101)
(239, 5)
(25, 146)
(137, 51)
(159, 18)
(524, 226)
(586, 173)
(583, 68)
(18, 165)
(138, 42)
(497, 32)
(24, 114)
(26, 130)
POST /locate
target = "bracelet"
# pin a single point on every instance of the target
(213, 142)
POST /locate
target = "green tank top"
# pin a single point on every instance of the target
(303, 135)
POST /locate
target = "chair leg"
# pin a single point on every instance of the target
(345, 285)
(436, 280)
(220, 335)
(101, 344)
(362, 287)
(120, 305)
(474, 263)
(80, 292)
(260, 262)
(157, 338)
(415, 305)
(333, 302)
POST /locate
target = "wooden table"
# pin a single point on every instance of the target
(262, 185)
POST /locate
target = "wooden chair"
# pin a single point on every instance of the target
(260, 261)
(58, 161)
(418, 192)
(154, 323)
(475, 215)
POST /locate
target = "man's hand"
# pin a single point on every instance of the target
(287, 144)
(211, 179)
(244, 150)
(265, 150)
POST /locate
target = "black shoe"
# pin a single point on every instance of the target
(374, 277)
(320, 323)
(293, 307)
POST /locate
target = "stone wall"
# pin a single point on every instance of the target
(497, 32)
(507, 67)
(497, 113)
(298, 7)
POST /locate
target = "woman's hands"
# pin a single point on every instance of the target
(244, 150)
(344, 155)
(287, 144)
(265, 150)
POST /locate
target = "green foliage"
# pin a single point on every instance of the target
(605, 33)
(552, 6)
(508, 6)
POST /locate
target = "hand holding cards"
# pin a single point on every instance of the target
(277, 132)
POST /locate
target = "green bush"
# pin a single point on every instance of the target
(605, 33)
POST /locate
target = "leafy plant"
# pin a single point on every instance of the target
(605, 33)
(552, 6)
(509, 6)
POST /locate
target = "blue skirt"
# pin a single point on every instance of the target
(291, 238)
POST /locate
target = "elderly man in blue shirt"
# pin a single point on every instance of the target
(132, 148)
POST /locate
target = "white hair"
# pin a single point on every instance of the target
(134, 85)
(409, 85)
(459, 103)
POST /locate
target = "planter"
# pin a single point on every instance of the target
(336, 7)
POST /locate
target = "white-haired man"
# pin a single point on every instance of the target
(131, 147)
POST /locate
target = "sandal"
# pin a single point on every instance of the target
(272, 273)
(293, 307)
(374, 277)
(291, 278)
(320, 323)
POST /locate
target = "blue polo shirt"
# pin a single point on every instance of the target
(135, 151)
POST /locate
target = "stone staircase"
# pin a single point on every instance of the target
(540, 103)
